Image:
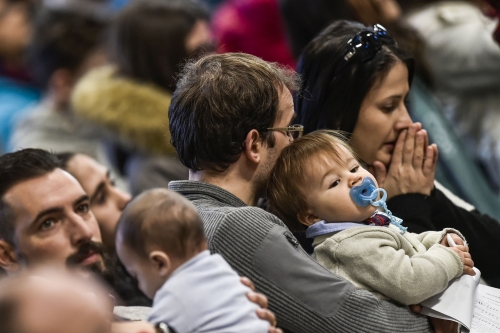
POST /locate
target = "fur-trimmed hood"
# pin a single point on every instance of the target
(136, 114)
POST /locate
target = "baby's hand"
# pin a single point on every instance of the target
(456, 238)
(466, 259)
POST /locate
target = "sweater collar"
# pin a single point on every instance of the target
(194, 189)
(323, 228)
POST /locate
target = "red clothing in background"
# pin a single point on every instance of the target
(495, 4)
(254, 27)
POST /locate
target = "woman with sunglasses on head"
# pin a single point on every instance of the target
(356, 79)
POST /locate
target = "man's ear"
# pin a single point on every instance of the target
(8, 258)
(253, 146)
(308, 218)
(161, 261)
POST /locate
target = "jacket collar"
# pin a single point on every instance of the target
(194, 189)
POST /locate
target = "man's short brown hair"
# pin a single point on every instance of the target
(161, 219)
(218, 100)
(285, 191)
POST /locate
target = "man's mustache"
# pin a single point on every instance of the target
(84, 251)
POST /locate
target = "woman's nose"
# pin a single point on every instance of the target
(404, 120)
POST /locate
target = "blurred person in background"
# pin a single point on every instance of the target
(107, 203)
(148, 41)
(305, 20)
(53, 301)
(65, 45)
(464, 60)
(253, 27)
(17, 91)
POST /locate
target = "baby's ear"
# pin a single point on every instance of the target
(161, 262)
(307, 218)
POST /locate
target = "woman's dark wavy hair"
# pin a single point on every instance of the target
(147, 40)
(329, 101)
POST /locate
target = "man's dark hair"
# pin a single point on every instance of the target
(15, 168)
(64, 159)
(147, 40)
(63, 38)
(331, 98)
(161, 219)
(219, 99)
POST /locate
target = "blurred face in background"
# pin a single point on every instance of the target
(106, 200)
(200, 40)
(15, 30)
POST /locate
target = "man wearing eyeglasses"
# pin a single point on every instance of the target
(230, 117)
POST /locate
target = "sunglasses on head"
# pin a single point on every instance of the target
(365, 45)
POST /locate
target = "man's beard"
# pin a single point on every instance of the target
(102, 269)
(261, 180)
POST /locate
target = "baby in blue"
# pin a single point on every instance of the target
(318, 186)
(161, 242)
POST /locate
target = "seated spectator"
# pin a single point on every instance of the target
(147, 42)
(229, 120)
(64, 46)
(53, 301)
(464, 60)
(311, 188)
(17, 90)
(45, 216)
(107, 201)
(365, 98)
(161, 242)
(254, 27)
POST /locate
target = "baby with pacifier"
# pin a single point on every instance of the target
(318, 186)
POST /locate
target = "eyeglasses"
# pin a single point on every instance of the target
(365, 45)
(293, 131)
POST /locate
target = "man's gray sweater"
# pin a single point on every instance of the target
(305, 297)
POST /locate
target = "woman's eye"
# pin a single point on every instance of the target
(355, 169)
(388, 108)
(335, 183)
(82, 209)
(47, 224)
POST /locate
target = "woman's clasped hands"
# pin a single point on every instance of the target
(413, 164)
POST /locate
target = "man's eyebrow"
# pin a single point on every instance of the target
(46, 212)
(53, 210)
(100, 187)
(81, 199)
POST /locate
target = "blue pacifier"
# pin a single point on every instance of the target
(366, 193)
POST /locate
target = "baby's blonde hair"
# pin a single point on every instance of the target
(285, 190)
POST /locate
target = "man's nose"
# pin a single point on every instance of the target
(122, 198)
(80, 229)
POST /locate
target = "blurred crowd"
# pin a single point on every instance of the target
(104, 104)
